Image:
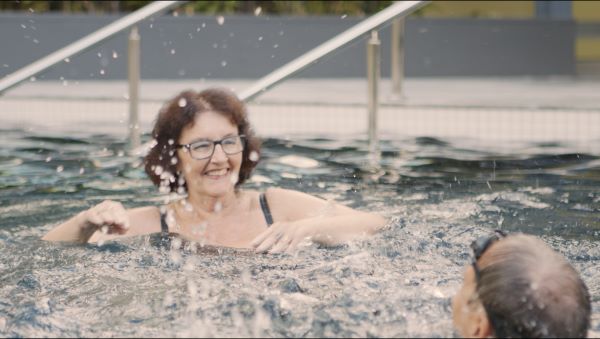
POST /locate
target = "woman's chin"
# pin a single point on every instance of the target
(218, 190)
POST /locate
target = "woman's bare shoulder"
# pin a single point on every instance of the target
(291, 205)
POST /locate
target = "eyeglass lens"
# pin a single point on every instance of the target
(204, 148)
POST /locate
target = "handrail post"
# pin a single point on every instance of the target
(133, 74)
(84, 43)
(397, 57)
(373, 74)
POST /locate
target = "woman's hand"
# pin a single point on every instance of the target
(110, 217)
(283, 237)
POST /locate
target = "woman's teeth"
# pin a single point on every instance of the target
(217, 172)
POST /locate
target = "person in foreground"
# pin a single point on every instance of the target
(204, 150)
(518, 287)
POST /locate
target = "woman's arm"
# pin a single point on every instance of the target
(300, 217)
(107, 220)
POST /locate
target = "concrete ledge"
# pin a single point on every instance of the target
(500, 92)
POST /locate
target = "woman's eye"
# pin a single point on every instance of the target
(200, 146)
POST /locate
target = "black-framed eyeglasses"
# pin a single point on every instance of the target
(480, 245)
(203, 149)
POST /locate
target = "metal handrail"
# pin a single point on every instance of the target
(85, 43)
(395, 10)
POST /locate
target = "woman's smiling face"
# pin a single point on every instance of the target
(217, 175)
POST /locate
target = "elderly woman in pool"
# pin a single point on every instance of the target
(206, 149)
(518, 287)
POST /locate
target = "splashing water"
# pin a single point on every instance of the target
(397, 283)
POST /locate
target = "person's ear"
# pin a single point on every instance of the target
(482, 328)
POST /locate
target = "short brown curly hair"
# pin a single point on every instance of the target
(180, 112)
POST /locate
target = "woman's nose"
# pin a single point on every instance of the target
(219, 155)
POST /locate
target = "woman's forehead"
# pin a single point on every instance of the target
(209, 125)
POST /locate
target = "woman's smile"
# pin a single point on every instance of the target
(217, 174)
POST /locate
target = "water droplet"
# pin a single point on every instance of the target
(31, 10)
(104, 229)
(176, 243)
(181, 103)
(115, 55)
(215, 45)
(99, 55)
(280, 32)
(102, 72)
(223, 63)
(175, 255)
(81, 170)
(260, 38)
(151, 25)
(158, 170)
(48, 159)
(65, 83)
(187, 206)
(175, 13)
(36, 41)
(172, 50)
(275, 46)
(220, 20)
(257, 11)
(253, 156)
(59, 169)
(199, 229)
(344, 16)
(218, 207)
(173, 160)
(23, 26)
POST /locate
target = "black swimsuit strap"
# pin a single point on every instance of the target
(164, 228)
(162, 239)
(265, 208)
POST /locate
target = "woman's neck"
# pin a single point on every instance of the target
(207, 205)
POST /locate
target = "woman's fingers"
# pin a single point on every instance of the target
(110, 214)
(282, 244)
(261, 237)
(297, 243)
(268, 242)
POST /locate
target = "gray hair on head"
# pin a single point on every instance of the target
(529, 290)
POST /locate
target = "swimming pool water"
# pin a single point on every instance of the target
(438, 194)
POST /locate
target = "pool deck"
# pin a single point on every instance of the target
(493, 109)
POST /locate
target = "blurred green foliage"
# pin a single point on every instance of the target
(352, 8)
